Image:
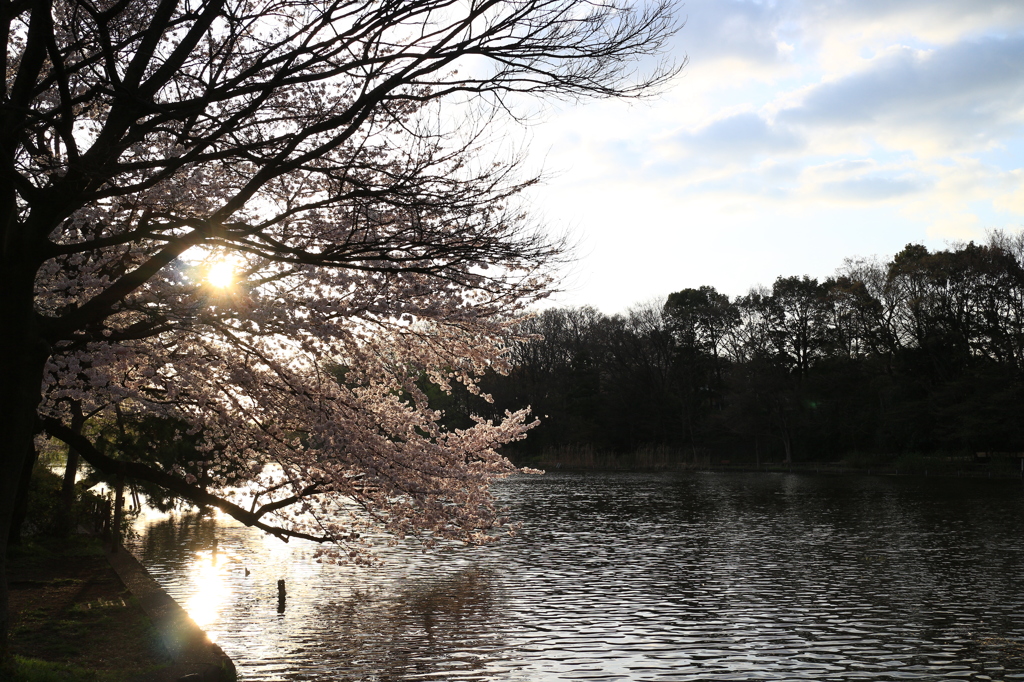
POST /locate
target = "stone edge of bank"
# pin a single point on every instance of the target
(196, 658)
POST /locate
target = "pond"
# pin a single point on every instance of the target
(695, 576)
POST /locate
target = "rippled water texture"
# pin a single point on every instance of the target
(640, 577)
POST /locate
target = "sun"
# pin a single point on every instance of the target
(221, 274)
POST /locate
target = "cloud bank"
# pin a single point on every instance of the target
(809, 131)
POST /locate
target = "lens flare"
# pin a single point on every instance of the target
(221, 274)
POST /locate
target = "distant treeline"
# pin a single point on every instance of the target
(921, 354)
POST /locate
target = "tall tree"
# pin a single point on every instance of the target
(699, 320)
(702, 319)
(314, 149)
(556, 363)
(638, 365)
(763, 378)
(798, 317)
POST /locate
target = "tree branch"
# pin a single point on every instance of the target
(195, 494)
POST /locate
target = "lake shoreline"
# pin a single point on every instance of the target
(128, 627)
(187, 644)
(1000, 468)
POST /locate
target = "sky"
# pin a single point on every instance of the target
(799, 134)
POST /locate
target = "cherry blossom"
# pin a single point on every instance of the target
(340, 156)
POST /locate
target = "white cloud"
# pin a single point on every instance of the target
(1011, 196)
(874, 188)
(735, 29)
(741, 136)
(965, 96)
(801, 133)
(834, 33)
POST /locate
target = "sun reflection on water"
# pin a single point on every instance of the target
(212, 589)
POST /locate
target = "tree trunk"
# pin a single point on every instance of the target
(23, 355)
(17, 422)
(21, 500)
(67, 491)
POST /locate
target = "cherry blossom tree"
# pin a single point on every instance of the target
(207, 204)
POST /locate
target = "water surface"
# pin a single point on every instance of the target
(639, 577)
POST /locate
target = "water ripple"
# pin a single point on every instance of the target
(639, 577)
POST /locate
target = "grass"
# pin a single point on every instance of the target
(73, 619)
(36, 670)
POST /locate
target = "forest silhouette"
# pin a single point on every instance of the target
(921, 354)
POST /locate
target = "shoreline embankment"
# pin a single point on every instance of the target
(985, 465)
(195, 658)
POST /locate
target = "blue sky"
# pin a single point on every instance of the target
(799, 134)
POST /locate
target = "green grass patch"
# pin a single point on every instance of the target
(35, 670)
